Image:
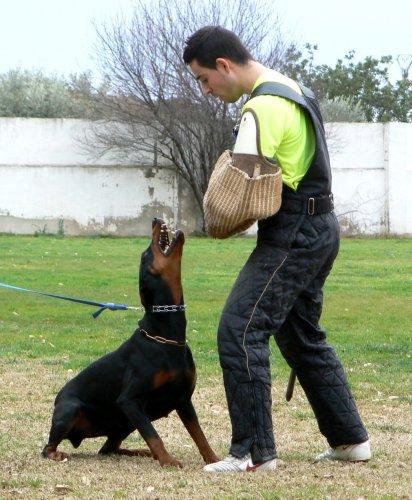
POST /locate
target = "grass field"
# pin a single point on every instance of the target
(43, 342)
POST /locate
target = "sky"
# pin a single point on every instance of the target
(57, 36)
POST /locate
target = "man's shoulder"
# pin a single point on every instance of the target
(272, 75)
(271, 103)
(264, 104)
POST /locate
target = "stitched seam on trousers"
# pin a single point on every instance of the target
(253, 312)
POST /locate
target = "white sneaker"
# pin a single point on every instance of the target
(347, 453)
(244, 464)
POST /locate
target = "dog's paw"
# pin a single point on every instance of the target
(57, 456)
(171, 462)
(211, 459)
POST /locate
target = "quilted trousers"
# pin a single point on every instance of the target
(279, 292)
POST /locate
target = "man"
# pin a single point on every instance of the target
(279, 290)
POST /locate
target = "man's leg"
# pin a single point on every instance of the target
(303, 344)
(243, 339)
(321, 376)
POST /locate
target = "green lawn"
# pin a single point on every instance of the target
(367, 308)
(44, 342)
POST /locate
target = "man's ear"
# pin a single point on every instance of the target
(223, 64)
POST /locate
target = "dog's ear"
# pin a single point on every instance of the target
(178, 246)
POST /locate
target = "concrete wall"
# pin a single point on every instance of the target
(359, 176)
(49, 184)
(372, 170)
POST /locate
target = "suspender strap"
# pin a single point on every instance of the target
(281, 90)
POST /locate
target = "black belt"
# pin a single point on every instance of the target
(311, 205)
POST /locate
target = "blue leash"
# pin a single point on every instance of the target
(102, 305)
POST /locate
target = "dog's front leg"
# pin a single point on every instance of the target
(135, 413)
(187, 414)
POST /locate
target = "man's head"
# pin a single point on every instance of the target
(215, 56)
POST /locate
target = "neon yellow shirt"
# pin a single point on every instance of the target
(286, 132)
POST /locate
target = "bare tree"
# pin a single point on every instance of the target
(154, 104)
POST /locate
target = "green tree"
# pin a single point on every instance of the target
(33, 94)
(365, 82)
(341, 109)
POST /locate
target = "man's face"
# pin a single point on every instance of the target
(219, 82)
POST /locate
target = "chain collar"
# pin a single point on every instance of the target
(159, 309)
(162, 340)
(171, 308)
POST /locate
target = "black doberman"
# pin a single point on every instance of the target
(146, 378)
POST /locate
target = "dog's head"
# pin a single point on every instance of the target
(160, 267)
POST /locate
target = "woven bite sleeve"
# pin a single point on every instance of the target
(242, 189)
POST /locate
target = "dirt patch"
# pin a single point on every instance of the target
(28, 391)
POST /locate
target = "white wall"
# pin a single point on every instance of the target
(399, 178)
(372, 175)
(359, 176)
(49, 184)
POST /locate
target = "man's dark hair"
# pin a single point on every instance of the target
(211, 42)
